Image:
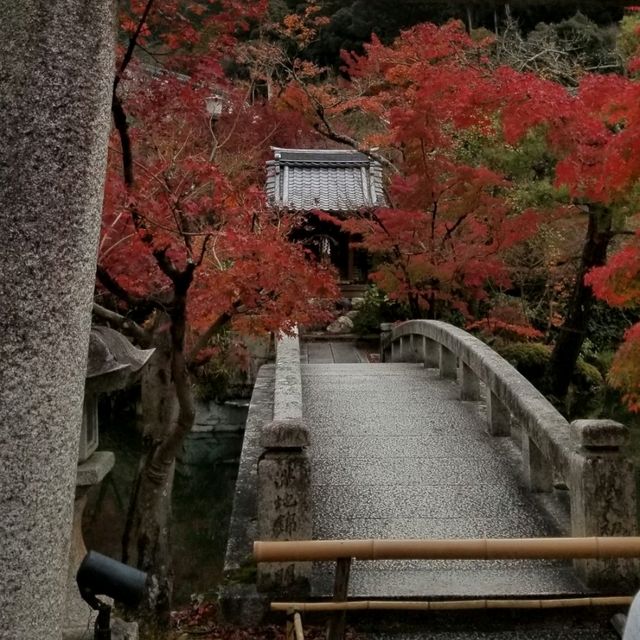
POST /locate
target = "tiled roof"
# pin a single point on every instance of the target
(326, 179)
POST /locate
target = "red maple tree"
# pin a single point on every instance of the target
(595, 138)
(448, 224)
(618, 284)
(188, 244)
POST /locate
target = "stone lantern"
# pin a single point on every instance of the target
(214, 105)
(113, 363)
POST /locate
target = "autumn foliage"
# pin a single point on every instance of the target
(423, 107)
(186, 208)
(618, 284)
(189, 247)
(449, 223)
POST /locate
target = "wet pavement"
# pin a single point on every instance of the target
(395, 454)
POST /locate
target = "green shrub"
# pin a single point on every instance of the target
(375, 309)
(531, 359)
(224, 374)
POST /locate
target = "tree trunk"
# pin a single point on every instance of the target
(146, 541)
(169, 414)
(414, 306)
(573, 332)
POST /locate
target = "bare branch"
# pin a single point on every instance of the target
(133, 41)
(126, 325)
(325, 128)
(205, 337)
(122, 127)
(115, 288)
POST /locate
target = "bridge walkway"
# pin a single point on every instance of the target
(396, 454)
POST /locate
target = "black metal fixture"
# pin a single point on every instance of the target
(100, 575)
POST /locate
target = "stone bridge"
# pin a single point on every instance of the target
(441, 439)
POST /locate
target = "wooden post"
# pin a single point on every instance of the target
(335, 628)
(350, 264)
(297, 626)
(290, 630)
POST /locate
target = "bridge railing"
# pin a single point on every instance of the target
(586, 456)
(343, 552)
(284, 473)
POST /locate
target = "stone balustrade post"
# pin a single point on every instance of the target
(421, 350)
(395, 348)
(385, 347)
(603, 498)
(431, 353)
(284, 502)
(538, 473)
(499, 417)
(518, 434)
(448, 363)
(409, 353)
(470, 385)
(405, 349)
(413, 348)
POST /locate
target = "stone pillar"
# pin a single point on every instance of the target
(448, 363)
(420, 343)
(431, 353)
(518, 434)
(603, 498)
(413, 350)
(284, 502)
(57, 70)
(499, 417)
(470, 386)
(385, 335)
(537, 472)
(405, 349)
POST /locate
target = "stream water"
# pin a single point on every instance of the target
(202, 501)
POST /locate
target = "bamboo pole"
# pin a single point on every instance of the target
(289, 632)
(455, 549)
(451, 605)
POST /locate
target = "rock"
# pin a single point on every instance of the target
(357, 303)
(121, 630)
(352, 315)
(343, 324)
